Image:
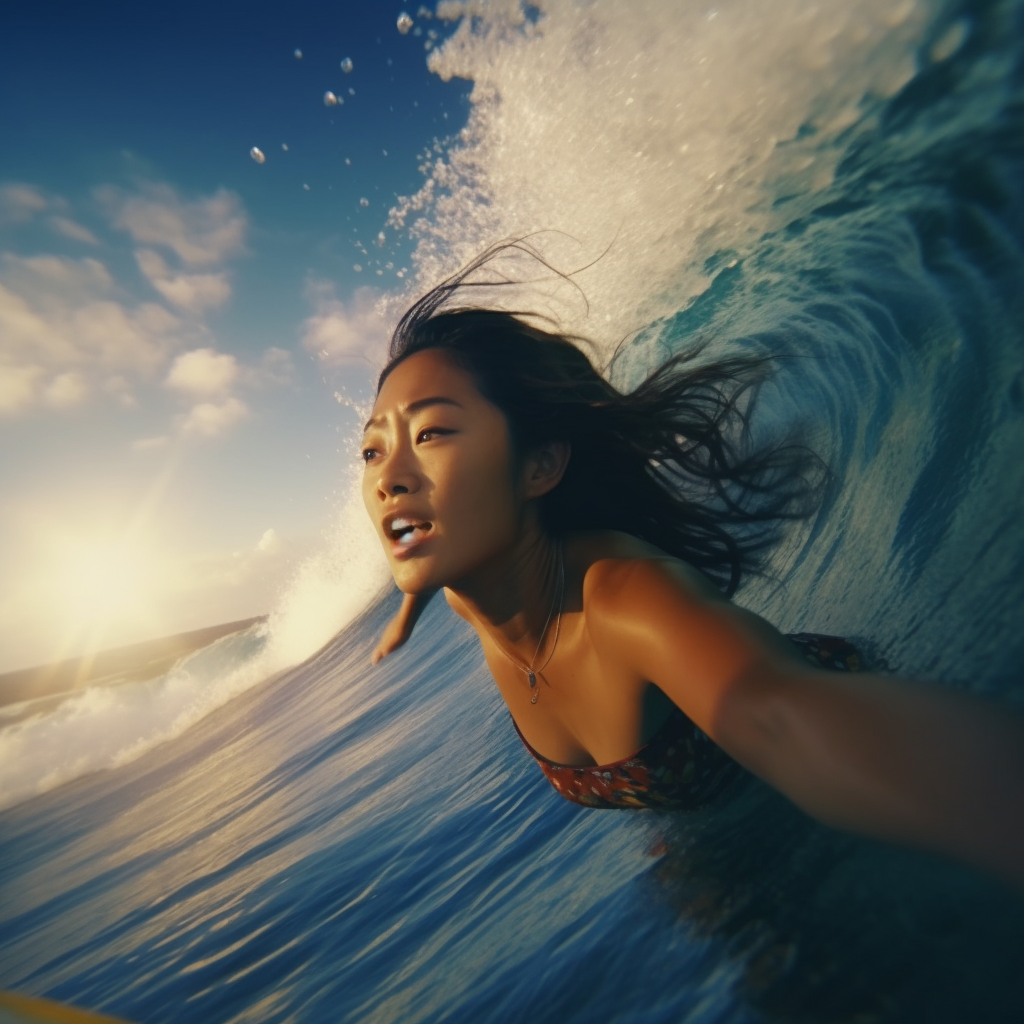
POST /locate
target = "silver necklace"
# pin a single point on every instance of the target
(531, 672)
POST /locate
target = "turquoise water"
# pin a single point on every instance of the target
(341, 843)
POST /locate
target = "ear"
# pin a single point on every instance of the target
(544, 467)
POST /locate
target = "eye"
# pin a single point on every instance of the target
(368, 454)
(429, 433)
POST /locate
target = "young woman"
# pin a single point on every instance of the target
(592, 539)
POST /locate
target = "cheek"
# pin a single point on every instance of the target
(370, 502)
(488, 503)
(367, 490)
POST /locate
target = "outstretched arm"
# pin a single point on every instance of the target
(400, 628)
(888, 757)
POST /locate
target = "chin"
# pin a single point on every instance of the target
(412, 582)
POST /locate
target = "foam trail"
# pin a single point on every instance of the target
(104, 727)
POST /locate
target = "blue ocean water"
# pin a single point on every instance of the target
(344, 843)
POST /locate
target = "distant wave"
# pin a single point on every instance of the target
(107, 726)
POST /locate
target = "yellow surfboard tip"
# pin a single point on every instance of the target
(18, 1009)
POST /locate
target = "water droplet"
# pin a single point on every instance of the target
(364, 202)
(357, 267)
(257, 154)
(351, 91)
(404, 23)
(330, 100)
(346, 65)
(401, 273)
(284, 146)
(385, 152)
(305, 186)
(298, 54)
(348, 162)
(381, 238)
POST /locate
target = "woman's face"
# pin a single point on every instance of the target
(439, 482)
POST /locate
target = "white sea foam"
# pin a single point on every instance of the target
(103, 727)
(331, 588)
(658, 128)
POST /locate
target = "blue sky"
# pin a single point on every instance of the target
(175, 318)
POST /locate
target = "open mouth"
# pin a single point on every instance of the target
(407, 531)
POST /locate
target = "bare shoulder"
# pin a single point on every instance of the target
(658, 619)
(622, 574)
(654, 612)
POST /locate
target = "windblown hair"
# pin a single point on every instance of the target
(670, 462)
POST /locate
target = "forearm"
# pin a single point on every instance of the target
(413, 606)
(897, 760)
(400, 628)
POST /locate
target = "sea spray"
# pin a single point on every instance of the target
(331, 588)
(108, 726)
(657, 131)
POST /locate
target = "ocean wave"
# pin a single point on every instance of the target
(105, 727)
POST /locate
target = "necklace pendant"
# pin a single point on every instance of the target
(532, 676)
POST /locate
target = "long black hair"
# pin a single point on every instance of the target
(670, 462)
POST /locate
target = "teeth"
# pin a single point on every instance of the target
(404, 530)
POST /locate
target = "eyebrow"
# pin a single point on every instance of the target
(420, 403)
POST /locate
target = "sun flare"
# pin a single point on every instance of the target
(103, 589)
(106, 581)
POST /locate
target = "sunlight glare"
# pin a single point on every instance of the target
(104, 581)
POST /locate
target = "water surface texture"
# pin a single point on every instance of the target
(247, 839)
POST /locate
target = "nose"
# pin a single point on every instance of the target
(399, 475)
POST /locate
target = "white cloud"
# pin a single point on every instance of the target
(73, 230)
(343, 333)
(211, 419)
(203, 372)
(17, 388)
(275, 369)
(66, 390)
(59, 317)
(194, 292)
(116, 337)
(121, 389)
(20, 203)
(47, 279)
(200, 231)
(269, 543)
(68, 332)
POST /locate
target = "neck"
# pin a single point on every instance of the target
(511, 597)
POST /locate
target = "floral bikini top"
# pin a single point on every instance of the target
(679, 766)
